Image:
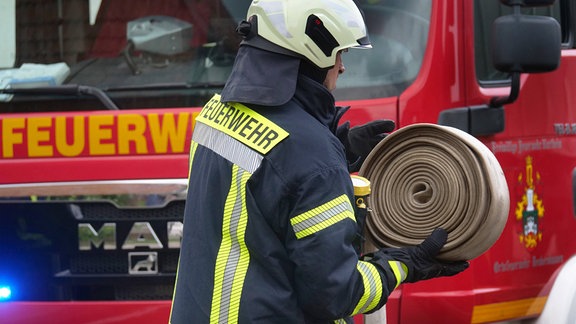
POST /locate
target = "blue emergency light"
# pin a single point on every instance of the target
(5, 293)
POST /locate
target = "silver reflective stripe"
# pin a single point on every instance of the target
(372, 288)
(322, 216)
(371, 285)
(227, 147)
(233, 255)
(400, 271)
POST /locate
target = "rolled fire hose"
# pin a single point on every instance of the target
(425, 176)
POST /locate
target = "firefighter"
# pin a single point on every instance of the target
(269, 224)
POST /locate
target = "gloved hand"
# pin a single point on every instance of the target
(421, 259)
(360, 140)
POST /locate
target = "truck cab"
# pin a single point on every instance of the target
(97, 106)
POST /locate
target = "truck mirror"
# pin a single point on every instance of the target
(528, 3)
(526, 44)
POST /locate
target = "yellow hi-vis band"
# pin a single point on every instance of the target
(372, 288)
(233, 255)
(323, 216)
(242, 123)
(193, 147)
(400, 271)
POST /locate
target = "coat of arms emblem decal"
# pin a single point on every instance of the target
(529, 209)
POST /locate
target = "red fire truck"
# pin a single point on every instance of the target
(97, 106)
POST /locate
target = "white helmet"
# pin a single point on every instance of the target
(314, 29)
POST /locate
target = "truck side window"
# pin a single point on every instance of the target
(485, 12)
(398, 30)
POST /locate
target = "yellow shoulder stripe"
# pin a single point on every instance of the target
(242, 123)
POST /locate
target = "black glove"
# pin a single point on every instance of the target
(360, 140)
(421, 259)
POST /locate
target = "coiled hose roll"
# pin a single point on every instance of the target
(425, 176)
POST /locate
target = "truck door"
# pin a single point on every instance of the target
(537, 152)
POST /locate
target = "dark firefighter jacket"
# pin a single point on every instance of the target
(269, 221)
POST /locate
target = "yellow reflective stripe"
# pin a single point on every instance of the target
(322, 216)
(508, 310)
(193, 146)
(372, 288)
(340, 321)
(400, 271)
(174, 292)
(242, 123)
(233, 256)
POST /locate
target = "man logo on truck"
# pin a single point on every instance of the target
(143, 262)
(141, 235)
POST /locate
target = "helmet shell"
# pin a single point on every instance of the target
(314, 29)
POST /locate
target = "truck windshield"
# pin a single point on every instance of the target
(177, 53)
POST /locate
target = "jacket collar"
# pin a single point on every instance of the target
(316, 100)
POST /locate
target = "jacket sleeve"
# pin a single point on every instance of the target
(331, 282)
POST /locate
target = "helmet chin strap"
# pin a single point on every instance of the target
(312, 71)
